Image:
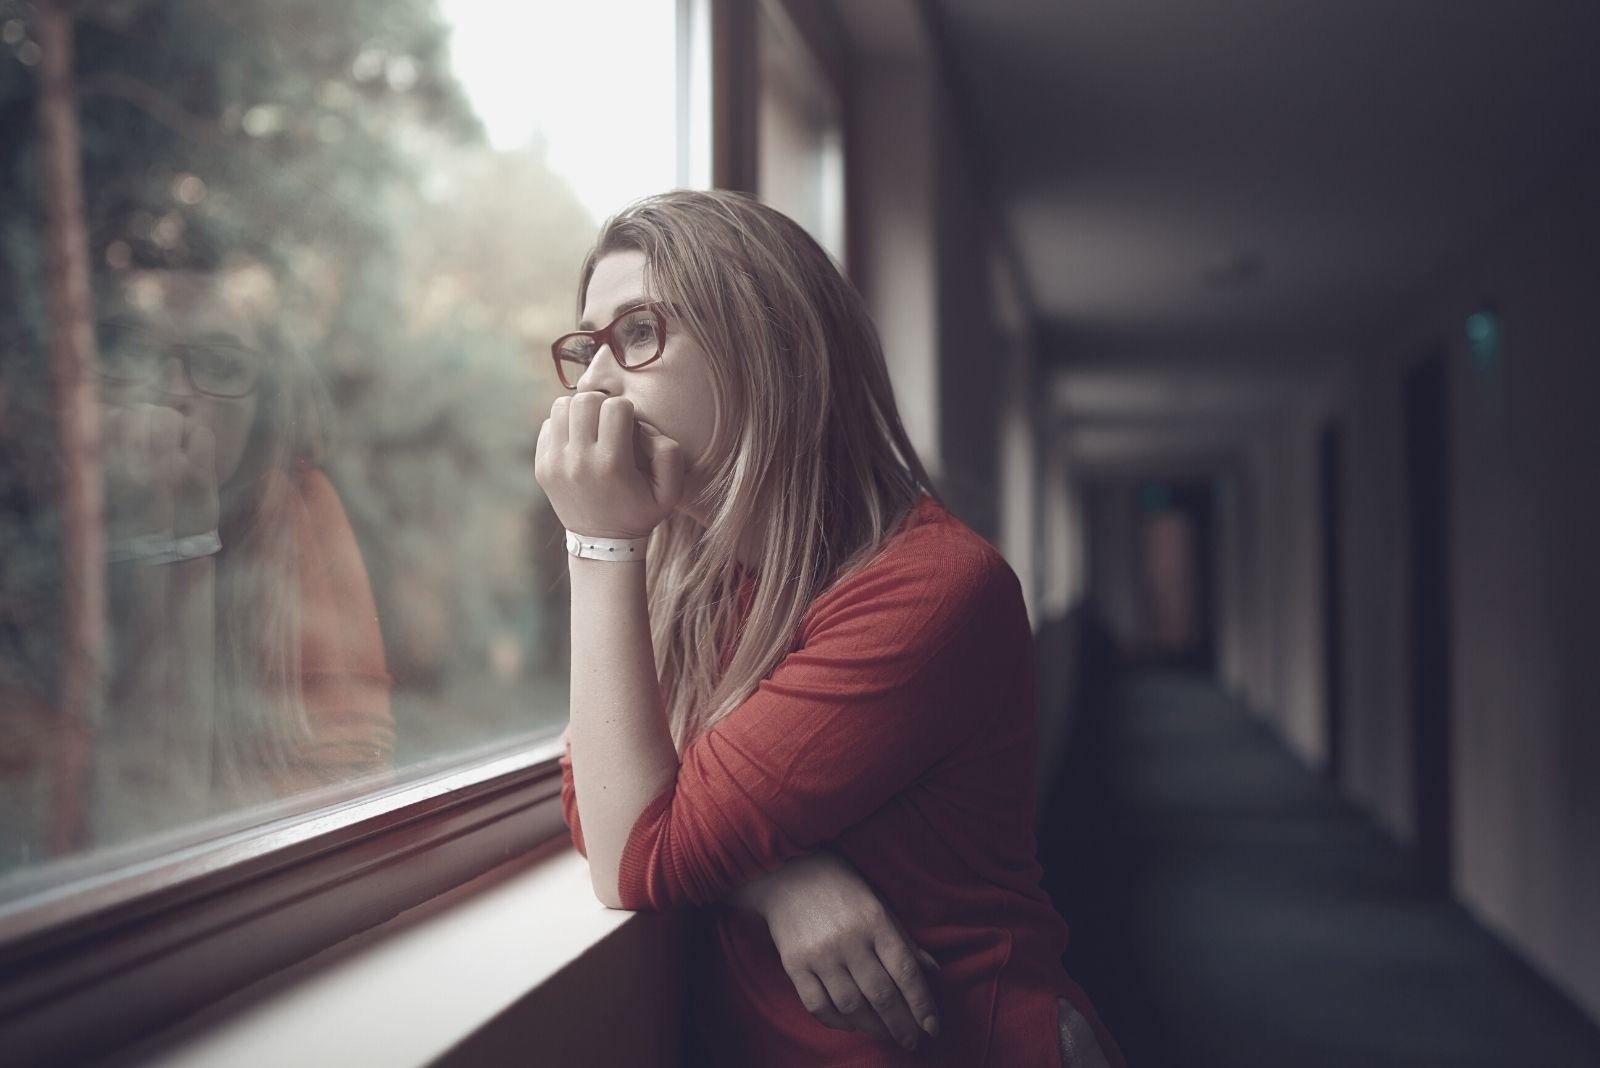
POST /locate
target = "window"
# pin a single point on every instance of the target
(800, 136)
(328, 245)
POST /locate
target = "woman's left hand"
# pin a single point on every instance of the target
(851, 962)
(607, 473)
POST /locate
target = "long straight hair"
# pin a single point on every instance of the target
(808, 444)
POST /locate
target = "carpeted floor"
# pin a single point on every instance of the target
(1229, 908)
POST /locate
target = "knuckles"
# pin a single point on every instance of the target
(880, 998)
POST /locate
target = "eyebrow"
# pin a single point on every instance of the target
(626, 306)
(131, 325)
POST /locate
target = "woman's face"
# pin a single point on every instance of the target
(176, 313)
(675, 393)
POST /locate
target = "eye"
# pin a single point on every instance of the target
(127, 355)
(221, 366)
(221, 362)
(638, 331)
(579, 349)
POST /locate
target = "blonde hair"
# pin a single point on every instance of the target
(263, 721)
(807, 438)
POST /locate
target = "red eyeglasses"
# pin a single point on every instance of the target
(636, 337)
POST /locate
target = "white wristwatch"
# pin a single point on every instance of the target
(159, 549)
(606, 548)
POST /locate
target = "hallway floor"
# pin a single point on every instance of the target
(1229, 908)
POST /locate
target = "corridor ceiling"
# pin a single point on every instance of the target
(1200, 181)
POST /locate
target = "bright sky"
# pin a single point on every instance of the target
(595, 78)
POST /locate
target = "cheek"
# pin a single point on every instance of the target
(689, 422)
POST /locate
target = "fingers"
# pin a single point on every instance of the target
(905, 969)
(558, 421)
(667, 466)
(851, 1003)
(200, 451)
(143, 440)
(816, 999)
(583, 416)
(614, 432)
(165, 440)
(883, 992)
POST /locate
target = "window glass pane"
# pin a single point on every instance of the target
(330, 243)
(800, 139)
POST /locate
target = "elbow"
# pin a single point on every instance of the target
(607, 895)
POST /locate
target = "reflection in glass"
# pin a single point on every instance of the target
(323, 294)
(256, 671)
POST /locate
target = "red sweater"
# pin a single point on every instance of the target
(902, 734)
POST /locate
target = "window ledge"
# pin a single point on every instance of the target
(145, 948)
(441, 975)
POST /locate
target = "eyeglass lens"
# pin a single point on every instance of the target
(636, 337)
(218, 368)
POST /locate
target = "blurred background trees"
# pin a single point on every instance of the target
(327, 146)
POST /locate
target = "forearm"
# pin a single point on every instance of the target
(755, 895)
(154, 763)
(622, 751)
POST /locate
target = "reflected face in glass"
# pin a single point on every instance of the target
(675, 393)
(179, 340)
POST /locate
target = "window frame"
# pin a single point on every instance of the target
(141, 948)
(806, 50)
(137, 941)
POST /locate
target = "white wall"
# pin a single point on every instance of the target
(1302, 679)
(891, 151)
(1018, 444)
(1525, 583)
(1112, 558)
(952, 317)
(1062, 533)
(1377, 739)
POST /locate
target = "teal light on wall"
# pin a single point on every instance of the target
(1154, 498)
(1483, 337)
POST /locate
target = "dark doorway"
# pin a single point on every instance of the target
(1176, 569)
(1427, 509)
(1329, 482)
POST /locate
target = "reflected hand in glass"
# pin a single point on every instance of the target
(636, 337)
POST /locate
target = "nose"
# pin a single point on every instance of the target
(604, 373)
(172, 379)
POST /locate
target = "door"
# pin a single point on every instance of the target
(1427, 510)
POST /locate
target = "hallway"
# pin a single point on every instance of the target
(1231, 909)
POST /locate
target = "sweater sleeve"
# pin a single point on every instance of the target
(877, 692)
(344, 678)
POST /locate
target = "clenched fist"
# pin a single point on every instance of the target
(160, 471)
(607, 473)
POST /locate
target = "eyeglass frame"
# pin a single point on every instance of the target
(602, 336)
(183, 352)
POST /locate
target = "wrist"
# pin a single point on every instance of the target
(752, 896)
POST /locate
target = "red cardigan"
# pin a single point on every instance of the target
(901, 733)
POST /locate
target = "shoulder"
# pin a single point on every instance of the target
(934, 578)
(326, 540)
(319, 512)
(316, 492)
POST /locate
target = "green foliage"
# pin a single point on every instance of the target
(422, 271)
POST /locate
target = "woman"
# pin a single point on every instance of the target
(802, 691)
(249, 666)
